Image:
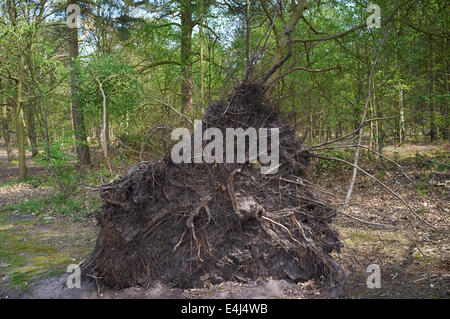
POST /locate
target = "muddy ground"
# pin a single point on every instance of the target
(37, 245)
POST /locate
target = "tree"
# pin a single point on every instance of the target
(5, 119)
(77, 116)
(108, 86)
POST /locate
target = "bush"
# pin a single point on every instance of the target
(61, 162)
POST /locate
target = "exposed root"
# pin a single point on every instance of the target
(241, 224)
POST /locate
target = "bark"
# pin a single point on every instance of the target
(247, 34)
(31, 128)
(432, 108)
(371, 127)
(202, 71)
(98, 135)
(20, 129)
(43, 109)
(380, 133)
(5, 119)
(105, 131)
(77, 116)
(401, 130)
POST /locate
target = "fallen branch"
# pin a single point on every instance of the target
(367, 222)
(385, 186)
(372, 150)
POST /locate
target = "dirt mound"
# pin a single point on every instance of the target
(187, 224)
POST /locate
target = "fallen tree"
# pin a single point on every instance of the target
(187, 224)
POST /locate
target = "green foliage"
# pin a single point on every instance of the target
(380, 173)
(422, 189)
(119, 82)
(138, 63)
(61, 163)
(422, 161)
(329, 167)
(58, 203)
(34, 181)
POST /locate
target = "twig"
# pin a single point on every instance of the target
(173, 109)
(439, 162)
(385, 186)
(367, 222)
(179, 242)
(349, 134)
(369, 92)
(372, 150)
(310, 186)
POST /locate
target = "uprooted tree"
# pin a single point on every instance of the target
(187, 224)
(184, 224)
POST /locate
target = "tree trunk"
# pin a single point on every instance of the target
(105, 131)
(20, 129)
(5, 117)
(247, 34)
(380, 133)
(401, 131)
(187, 100)
(77, 115)
(282, 38)
(371, 125)
(31, 128)
(432, 110)
(98, 136)
(202, 71)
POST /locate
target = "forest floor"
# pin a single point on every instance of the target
(42, 232)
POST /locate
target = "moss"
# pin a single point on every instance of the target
(36, 248)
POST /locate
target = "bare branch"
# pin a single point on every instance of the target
(335, 36)
(383, 185)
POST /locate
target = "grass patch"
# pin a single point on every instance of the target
(34, 181)
(31, 249)
(59, 204)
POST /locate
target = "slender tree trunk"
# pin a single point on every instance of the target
(363, 116)
(31, 128)
(5, 118)
(401, 130)
(20, 129)
(202, 71)
(371, 127)
(380, 132)
(377, 123)
(77, 115)
(98, 135)
(282, 38)
(43, 109)
(445, 129)
(187, 100)
(247, 34)
(294, 110)
(46, 136)
(432, 109)
(105, 133)
(5, 131)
